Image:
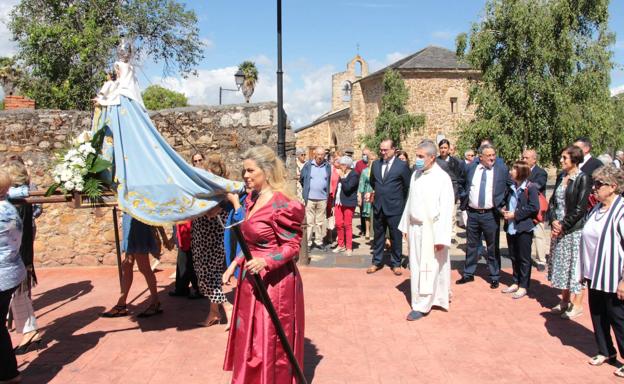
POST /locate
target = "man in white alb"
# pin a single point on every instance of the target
(427, 221)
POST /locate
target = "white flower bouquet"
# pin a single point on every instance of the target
(78, 166)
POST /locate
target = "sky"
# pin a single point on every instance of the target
(319, 38)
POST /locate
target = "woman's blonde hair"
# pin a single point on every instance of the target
(216, 165)
(5, 182)
(18, 172)
(273, 167)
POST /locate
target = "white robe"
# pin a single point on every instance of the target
(427, 221)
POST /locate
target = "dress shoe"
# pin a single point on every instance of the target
(373, 268)
(540, 267)
(397, 271)
(465, 279)
(414, 315)
(494, 285)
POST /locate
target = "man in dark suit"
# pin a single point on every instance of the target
(390, 179)
(539, 178)
(590, 163)
(483, 195)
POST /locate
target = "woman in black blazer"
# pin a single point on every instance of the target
(346, 201)
(522, 208)
(567, 210)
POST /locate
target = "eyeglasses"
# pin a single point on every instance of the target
(598, 184)
(195, 161)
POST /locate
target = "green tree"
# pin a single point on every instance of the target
(545, 76)
(618, 118)
(156, 97)
(393, 121)
(66, 47)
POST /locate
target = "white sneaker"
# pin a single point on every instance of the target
(572, 312)
(339, 249)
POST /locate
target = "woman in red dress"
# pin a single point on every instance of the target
(272, 229)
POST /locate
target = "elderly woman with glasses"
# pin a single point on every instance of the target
(345, 203)
(567, 208)
(602, 261)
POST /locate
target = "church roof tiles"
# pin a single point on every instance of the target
(429, 58)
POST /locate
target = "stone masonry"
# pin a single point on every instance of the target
(85, 237)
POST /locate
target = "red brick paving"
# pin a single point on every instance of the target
(355, 333)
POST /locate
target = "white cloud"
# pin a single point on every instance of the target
(617, 90)
(311, 99)
(7, 47)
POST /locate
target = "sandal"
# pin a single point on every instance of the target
(601, 359)
(152, 310)
(619, 372)
(33, 341)
(116, 311)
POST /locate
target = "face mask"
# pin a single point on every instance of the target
(365, 159)
(420, 164)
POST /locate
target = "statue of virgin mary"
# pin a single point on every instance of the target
(154, 183)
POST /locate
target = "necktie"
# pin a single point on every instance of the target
(385, 170)
(482, 188)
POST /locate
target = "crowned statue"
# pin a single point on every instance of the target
(154, 184)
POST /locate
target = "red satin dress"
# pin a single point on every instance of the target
(254, 352)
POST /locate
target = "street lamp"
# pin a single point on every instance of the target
(239, 79)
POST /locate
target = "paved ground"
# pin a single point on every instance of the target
(355, 333)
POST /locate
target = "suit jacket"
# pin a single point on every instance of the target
(527, 208)
(500, 188)
(590, 166)
(539, 177)
(391, 191)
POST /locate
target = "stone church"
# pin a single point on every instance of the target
(438, 85)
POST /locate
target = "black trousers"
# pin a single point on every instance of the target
(486, 224)
(607, 312)
(520, 254)
(381, 223)
(185, 273)
(8, 363)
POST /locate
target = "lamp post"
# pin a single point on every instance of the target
(281, 128)
(239, 78)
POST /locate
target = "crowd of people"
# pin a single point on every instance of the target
(397, 201)
(417, 202)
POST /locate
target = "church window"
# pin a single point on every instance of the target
(346, 91)
(454, 105)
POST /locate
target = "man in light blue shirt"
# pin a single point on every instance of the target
(315, 179)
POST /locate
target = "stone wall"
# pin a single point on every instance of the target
(332, 133)
(85, 237)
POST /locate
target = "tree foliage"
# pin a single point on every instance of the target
(618, 119)
(156, 97)
(393, 121)
(66, 47)
(545, 76)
